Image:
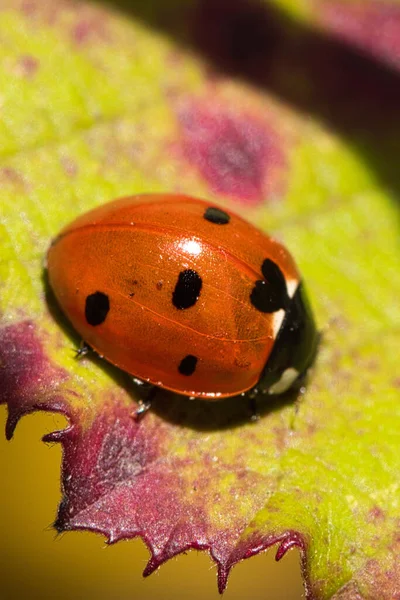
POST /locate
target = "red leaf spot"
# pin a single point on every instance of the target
(238, 155)
(69, 165)
(27, 66)
(90, 28)
(376, 514)
(27, 378)
(82, 22)
(29, 7)
(12, 176)
(378, 582)
(48, 11)
(374, 26)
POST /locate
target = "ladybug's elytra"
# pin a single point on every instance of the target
(184, 295)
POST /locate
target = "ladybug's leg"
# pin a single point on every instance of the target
(141, 409)
(83, 350)
(252, 397)
(147, 393)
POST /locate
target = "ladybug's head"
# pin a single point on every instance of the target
(294, 349)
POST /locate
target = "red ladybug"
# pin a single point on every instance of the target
(184, 295)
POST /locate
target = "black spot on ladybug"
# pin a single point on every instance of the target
(270, 294)
(216, 215)
(187, 289)
(96, 308)
(274, 275)
(187, 366)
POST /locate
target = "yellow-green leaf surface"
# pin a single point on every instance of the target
(264, 109)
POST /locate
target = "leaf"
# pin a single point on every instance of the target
(370, 25)
(254, 107)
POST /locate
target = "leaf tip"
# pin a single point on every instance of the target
(222, 578)
(291, 540)
(152, 565)
(56, 436)
(11, 423)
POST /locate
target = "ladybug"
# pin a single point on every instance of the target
(185, 296)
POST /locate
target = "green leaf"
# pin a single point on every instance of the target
(253, 107)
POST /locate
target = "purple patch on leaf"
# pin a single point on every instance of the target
(120, 478)
(28, 381)
(372, 26)
(118, 481)
(239, 155)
